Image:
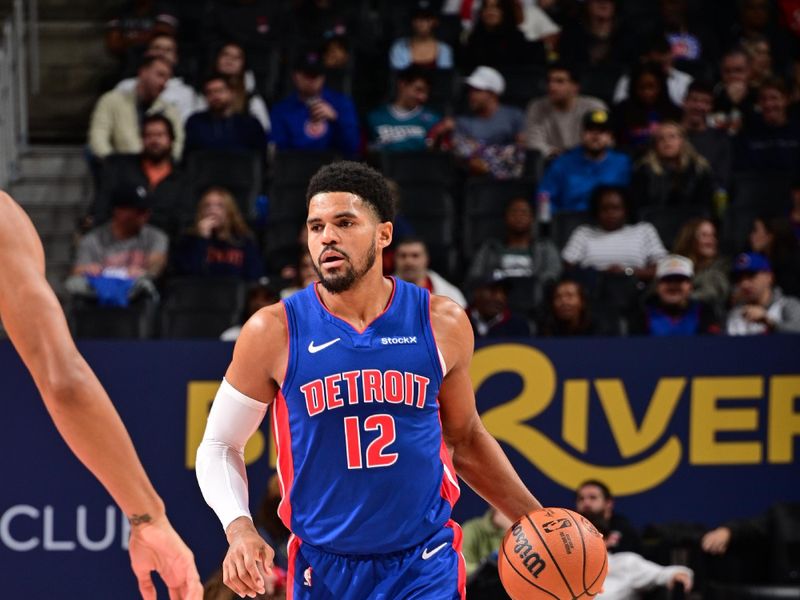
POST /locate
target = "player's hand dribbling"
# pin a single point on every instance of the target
(249, 559)
(155, 546)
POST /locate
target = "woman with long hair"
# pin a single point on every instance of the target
(698, 241)
(219, 243)
(672, 172)
(568, 313)
(421, 48)
(231, 62)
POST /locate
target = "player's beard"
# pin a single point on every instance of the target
(336, 284)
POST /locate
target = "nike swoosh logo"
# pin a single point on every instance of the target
(426, 555)
(314, 349)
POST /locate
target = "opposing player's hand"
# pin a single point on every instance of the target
(681, 577)
(716, 541)
(248, 565)
(155, 546)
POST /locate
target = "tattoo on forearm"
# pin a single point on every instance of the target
(140, 519)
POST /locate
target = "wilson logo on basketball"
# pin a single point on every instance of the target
(523, 548)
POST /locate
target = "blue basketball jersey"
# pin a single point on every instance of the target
(361, 458)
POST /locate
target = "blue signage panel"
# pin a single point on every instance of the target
(678, 429)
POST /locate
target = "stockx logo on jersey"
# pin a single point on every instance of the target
(392, 341)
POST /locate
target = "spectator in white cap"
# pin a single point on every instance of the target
(489, 138)
(672, 311)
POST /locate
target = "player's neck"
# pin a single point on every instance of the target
(362, 303)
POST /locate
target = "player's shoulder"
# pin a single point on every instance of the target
(448, 318)
(452, 330)
(263, 341)
(267, 324)
(446, 309)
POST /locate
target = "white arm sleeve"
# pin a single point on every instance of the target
(220, 464)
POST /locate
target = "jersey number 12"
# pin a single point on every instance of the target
(375, 455)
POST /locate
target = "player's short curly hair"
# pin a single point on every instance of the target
(355, 178)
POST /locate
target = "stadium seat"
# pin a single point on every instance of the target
(524, 294)
(668, 220)
(298, 166)
(418, 167)
(736, 226)
(449, 29)
(619, 294)
(430, 211)
(264, 60)
(89, 321)
(197, 307)
(600, 81)
(485, 203)
(564, 223)
(523, 84)
(771, 192)
(239, 172)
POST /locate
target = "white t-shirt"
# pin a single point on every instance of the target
(634, 246)
(629, 574)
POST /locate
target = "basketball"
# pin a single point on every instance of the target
(553, 553)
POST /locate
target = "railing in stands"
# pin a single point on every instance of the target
(18, 45)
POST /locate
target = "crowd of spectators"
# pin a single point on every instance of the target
(657, 150)
(749, 557)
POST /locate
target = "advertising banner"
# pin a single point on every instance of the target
(682, 430)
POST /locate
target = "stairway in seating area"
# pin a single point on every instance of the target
(54, 188)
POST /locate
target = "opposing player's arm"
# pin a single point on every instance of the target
(81, 409)
(77, 402)
(477, 456)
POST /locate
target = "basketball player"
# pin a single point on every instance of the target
(369, 380)
(81, 410)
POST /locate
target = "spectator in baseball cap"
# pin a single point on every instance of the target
(314, 117)
(672, 311)
(489, 312)
(763, 307)
(489, 138)
(570, 180)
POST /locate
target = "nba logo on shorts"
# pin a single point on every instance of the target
(307, 577)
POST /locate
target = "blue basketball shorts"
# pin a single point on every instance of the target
(433, 569)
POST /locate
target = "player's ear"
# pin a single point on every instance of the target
(385, 232)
